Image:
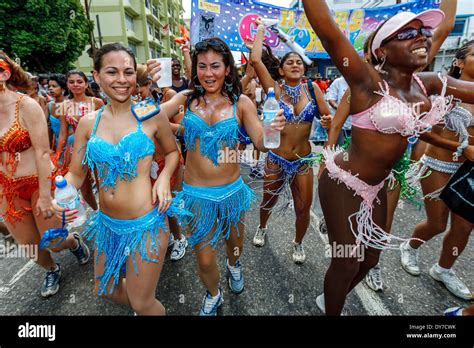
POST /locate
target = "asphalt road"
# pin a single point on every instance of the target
(274, 284)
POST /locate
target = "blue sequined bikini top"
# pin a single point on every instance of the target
(113, 160)
(308, 113)
(212, 138)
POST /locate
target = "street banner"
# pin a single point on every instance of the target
(234, 22)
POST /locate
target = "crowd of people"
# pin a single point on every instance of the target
(174, 179)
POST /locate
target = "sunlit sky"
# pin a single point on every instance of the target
(281, 3)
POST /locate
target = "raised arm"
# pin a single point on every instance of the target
(357, 73)
(342, 113)
(442, 32)
(249, 71)
(263, 74)
(187, 60)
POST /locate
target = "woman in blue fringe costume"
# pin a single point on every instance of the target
(112, 142)
(213, 189)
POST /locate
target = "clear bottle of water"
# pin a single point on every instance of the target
(271, 137)
(67, 197)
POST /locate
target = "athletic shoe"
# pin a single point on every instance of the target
(322, 226)
(51, 282)
(373, 279)
(235, 277)
(321, 303)
(179, 248)
(298, 253)
(257, 171)
(453, 312)
(210, 304)
(409, 259)
(259, 238)
(81, 252)
(451, 281)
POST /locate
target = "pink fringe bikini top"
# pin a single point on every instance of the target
(390, 115)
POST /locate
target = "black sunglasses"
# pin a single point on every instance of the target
(215, 45)
(411, 33)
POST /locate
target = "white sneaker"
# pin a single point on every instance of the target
(259, 238)
(298, 253)
(179, 248)
(373, 279)
(211, 304)
(321, 303)
(409, 259)
(323, 229)
(451, 281)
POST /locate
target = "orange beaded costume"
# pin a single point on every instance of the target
(13, 142)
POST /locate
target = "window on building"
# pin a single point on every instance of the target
(152, 52)
(459, 26)
(155, 11)
(133, 47)
(150, 28)
(157, 35)
(147, 4)
(129, 22)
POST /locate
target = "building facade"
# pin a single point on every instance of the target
(462, 32)
(147, 27)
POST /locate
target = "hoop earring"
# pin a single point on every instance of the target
(228, 84)
(199, 88)
(379, 67)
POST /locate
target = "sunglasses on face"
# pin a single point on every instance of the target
(411, 33)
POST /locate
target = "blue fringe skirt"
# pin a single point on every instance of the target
(218, 207)
(286, 172)
(118, 239)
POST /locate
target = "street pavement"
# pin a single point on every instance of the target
(274, 284)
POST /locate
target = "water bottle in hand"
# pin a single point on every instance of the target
(271, 137)
(67, 197)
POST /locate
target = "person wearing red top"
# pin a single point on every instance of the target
(323, 86)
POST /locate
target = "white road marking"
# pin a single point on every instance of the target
(370, 300)
(18, 275)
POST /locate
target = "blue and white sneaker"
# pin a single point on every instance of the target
(453, 312)
(179, 248)
(81, 252)
(210, 304)
(235, 277)
(51, 282)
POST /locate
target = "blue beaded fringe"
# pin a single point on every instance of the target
(216, 206)
(117, 239)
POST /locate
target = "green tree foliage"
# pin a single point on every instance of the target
(46, 35)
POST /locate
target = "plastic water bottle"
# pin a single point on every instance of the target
(67, 197)
(271, 137)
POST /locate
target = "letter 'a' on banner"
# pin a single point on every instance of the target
(234, 22)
